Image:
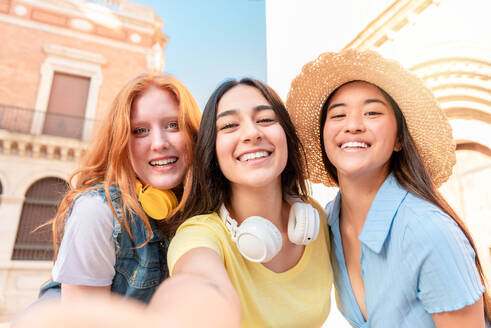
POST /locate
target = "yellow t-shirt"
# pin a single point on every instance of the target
(299, 297)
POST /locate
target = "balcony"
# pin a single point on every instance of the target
(38, 134)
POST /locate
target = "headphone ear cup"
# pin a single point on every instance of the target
(155, 202)
(258, 240)
(303, 223)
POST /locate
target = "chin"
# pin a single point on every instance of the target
(167, 183)
(259, 181)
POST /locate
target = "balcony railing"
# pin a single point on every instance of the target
(28, 132)
(30, 121)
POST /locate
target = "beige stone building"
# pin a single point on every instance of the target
(61, 64)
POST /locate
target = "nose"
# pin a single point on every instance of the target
(354, 123)
(160, 140)
(251, 132)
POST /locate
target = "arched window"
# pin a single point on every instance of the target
(40, 204)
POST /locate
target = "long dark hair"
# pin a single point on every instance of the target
(210, 188)
(411, 173)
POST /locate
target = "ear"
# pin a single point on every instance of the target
(397, 146)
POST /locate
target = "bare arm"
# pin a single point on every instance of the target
(89, 311)
(471, 316)
(70, 293)
(199, 293)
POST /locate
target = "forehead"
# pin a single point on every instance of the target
(241, 97)
(357, 89)
(154, 101)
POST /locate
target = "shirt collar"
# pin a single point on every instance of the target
(381, 214)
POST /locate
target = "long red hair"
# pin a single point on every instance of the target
(107, 160)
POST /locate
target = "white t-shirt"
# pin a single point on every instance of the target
(87, 253)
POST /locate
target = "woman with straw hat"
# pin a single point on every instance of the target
(401, 256)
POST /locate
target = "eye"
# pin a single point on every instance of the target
(228, 126)
(173, 126)
(373, 113)
(335, 116)
(140, 131)
(266, 120)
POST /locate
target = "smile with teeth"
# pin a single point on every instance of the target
(354, 144)
(251, 156)
(162, 162)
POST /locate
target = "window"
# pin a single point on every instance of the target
(63, 67)
(65, 114)
(40, 205)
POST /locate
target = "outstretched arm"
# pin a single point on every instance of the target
(199, 294)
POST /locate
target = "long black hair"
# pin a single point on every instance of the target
(210, 188)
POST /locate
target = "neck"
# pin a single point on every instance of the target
(266, 202)
(357, 195)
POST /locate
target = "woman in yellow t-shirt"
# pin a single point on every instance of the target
(249, 163)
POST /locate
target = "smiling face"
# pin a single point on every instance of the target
(360, 131)
(251, 145)
(157, 147)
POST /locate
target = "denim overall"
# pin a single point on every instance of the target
(139, 270)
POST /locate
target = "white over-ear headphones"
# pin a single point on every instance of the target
(259, 240)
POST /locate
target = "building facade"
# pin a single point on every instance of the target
(61, 64)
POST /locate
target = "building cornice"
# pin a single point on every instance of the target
(392, 19)
(75, 54)
(73, 34)
(116, 20)
(130, 15)
(41, 146)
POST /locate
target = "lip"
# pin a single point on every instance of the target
(162, 158)
(255, 160)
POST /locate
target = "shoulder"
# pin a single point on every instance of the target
(90, 208)
(210, 221)
(431, 237)
(201, 230)
(422, 220)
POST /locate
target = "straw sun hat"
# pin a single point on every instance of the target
(425, 120)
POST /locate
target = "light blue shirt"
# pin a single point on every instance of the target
(415, 261)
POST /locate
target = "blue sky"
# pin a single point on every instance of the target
(212, 40)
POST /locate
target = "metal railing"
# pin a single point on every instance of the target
(30, 121)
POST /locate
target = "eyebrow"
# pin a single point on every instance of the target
(366, 102)
(235, 111)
